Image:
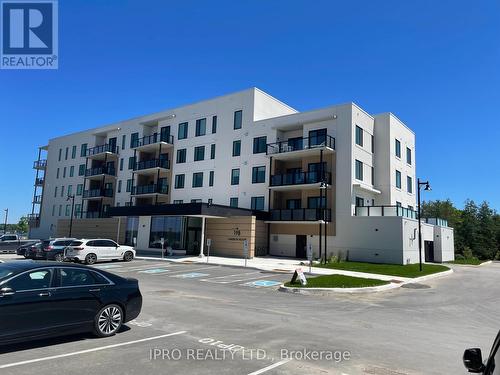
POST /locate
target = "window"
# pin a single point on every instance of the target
(64, 172)
(398, 179)
(212, 151)
(83, 150)
(359, 136)
(70, 190)
(73, 152)
(398, 148)
(198, 179)
(53, 209)
(373, 176)
(237, 119)
(62, 191)
(131, 162)
(181, 156)
(121, 164)
(196, 201)
(179, 181)
(129, 185)
(317, 137)
(57, 173)
(37, 279)
(292, 204)
(81, 169)
(119, 186)
(60, 210)
(55, 192)
(409, 184)
(71, 171)
(199, 153)
(258, 175)
(178, 201)
(66, 153)
(201, 127)
(408, 155)
(359, 170)
(78, 209)
(134, 140)
(66, 211)
(237, 148)
(79, 189)
(316, 202)
(233, 202)
(124, 141)
(373, 144)
(360, 202)
(214, 124)
(257, 203)
(80, 277)
(235, 176)
(60, 154)
(211, 178)
(183, 131)
(259, 145)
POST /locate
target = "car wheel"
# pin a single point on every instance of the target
(59, 257)
(90, 258)
(108, 320)
(128, 256)
(25, 256)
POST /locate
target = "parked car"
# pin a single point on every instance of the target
(54, 250)
(473, 360)
(35, 251)
(63, 299)
(10, 242)
(21, 250)
(94, 250)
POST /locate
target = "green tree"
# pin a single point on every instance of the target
(22, 225)
(486, 243)
(466, 231)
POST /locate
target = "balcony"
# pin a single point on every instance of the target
(34, 220)
(102, 152)
(92, 214)
(37, 199)
(311, 215)
(151, 189)
(98, 193)
(39, 181)
(385, 211)
(295, 147)
(100, 171)
(148, 166)
(40, 164)
(152, 142)
(303, 180)
(436, 221)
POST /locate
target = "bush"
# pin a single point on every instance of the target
(497, 255)
(459, 257)
(467, 252)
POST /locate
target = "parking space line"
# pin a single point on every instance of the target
(191, 270)
(270, 367)
(89, 350)
(217, 279)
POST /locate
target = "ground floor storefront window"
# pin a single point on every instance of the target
(131, 230)
(178, 233)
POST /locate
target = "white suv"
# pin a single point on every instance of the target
(93, 250)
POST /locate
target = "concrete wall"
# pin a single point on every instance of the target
(112, 228)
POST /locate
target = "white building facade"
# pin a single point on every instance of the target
(336, 178)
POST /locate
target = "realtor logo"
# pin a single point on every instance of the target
(29, 37)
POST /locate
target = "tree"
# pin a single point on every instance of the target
(22, 225)
(486, 243)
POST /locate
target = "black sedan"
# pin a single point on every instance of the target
(45, 299)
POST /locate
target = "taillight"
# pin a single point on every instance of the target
(48, 248)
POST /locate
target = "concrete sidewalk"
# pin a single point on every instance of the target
(276, 265)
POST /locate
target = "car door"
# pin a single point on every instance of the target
(76, 298)
(112, 249)
(28, 310)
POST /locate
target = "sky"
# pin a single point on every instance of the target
(434, 64)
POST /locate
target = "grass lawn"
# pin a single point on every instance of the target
(337, 281)
(410, 270)
(472, 261)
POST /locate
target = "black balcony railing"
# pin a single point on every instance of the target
(152, 139)
(300, 178)
(39, 181)
(154, 163)
(150, 189)
(385, 211)
(91, 214)
(39, 164)
(37, 199)
(298, 144)
(34, 220)
(102, 148)
(100, 170)
(301, 214)
(98, 193)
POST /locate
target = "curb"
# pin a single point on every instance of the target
(472, 265)
(330, 291)
(428, 277)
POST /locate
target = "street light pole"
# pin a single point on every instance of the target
(72, 197)
(5, 225)
(427, 188)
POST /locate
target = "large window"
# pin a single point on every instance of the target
(134, 140)
(408, 155)
(83, 150)
(235, 176)
(259, 145)
(359, 136)
(398, 179)
(398, 148)
(201, 127)
(257, 203)
(198, 179)
(360, 202)
(81, 169)
(237, 148)
(409, 184)
(183, 131)
(179, 181)
(131, 162)
(317, 137)
(233, 202)
(316, 202)
(79, 189)
(199, 153)
(258, 175)
(359, 170)
(238, 119)
(181, 156)
(170, 228)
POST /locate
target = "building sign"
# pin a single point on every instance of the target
(236, 235)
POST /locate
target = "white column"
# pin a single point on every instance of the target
(202, 244)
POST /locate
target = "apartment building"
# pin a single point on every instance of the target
(243, 166)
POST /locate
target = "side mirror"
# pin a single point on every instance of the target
(473, 360)
(6, 292)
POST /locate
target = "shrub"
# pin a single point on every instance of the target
(468, 252)
(459, 257)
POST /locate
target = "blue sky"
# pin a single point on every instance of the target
(435, 64)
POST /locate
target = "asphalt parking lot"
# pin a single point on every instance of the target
(207, 319)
